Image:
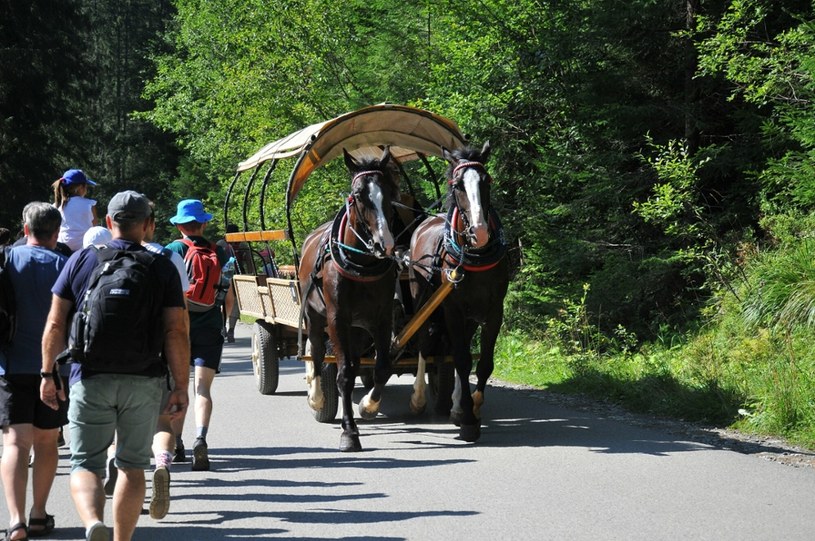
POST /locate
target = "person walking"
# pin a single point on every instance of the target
(116, 393)
(163, 439)
(204, 260)
(78, 212)
(26, 421)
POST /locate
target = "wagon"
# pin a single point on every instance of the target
(268, 291)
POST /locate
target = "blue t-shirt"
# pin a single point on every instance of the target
(33, 271)
(75, 278)
(212, 318)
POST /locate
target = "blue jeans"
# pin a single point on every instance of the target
(108, 405)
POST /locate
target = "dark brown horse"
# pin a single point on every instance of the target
(467, 247)
(348, 278)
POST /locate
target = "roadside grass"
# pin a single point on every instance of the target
(747, 382)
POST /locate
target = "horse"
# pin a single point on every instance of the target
(467, 247)
(348, 276)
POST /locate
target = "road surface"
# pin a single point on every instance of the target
(541, 470)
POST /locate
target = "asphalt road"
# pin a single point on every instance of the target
(540, 471)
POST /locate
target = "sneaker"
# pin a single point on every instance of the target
(97, 532)
(160, 502)
(180, 453)
(200, 455)
(113, 474)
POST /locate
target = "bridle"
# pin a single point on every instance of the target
(342, 254)
(461, 254)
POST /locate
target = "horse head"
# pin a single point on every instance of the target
(373, 190)
(470, 191)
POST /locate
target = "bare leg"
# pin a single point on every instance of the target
(164, 438)
(89, 496)
(127, 503)
(203, 397)
(17, 441)
(46, 457)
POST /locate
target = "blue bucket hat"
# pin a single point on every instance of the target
(190, 210)
(75, 176)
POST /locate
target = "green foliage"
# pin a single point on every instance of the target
(781, 291)
(42, 127)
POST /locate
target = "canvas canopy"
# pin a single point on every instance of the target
(408, 130)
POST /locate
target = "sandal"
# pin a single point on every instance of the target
(18, 526)
(44, 525)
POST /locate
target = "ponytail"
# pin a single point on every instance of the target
(63, 192)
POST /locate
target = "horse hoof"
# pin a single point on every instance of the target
(316, 405)
(368, 409)
(367, 415)
(349, 443)
(417, 409)
(470, 433)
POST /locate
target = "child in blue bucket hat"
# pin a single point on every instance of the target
(78, 212)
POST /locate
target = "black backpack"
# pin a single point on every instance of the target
(8, 308)
(118, 325)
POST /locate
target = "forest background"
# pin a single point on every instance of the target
(654, 160)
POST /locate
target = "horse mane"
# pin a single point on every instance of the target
(470, 154)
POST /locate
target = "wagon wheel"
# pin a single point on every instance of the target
(442, 381)
(264, 358)
(328, 383)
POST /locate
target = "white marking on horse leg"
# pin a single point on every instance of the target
(456, 410)
(382, 233)
(367, 407)
(316, 399)
(418, 401)
(478, 223)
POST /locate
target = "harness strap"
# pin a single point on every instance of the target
(474, 260)
(342, 255)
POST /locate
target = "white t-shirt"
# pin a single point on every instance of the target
(177, 260)
(77, 217)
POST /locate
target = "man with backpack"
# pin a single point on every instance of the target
(204, 261)
(128, 307)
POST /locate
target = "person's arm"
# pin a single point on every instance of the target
(53, 343)
(177, 350)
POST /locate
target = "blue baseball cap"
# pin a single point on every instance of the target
(190, 210)
(75, 176)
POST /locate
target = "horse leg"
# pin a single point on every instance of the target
(455, 411)
(349, 439)
(418, 402)
(470, 426)
(314, 369)
(489, 335)
(369, 405)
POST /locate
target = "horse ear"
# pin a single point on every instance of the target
(386, 157)
(447, 155)
(350, 162)
(485, 152)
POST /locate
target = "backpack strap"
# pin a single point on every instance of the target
(190, 243)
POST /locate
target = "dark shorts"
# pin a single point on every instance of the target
(206, 347)
(20, 403)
